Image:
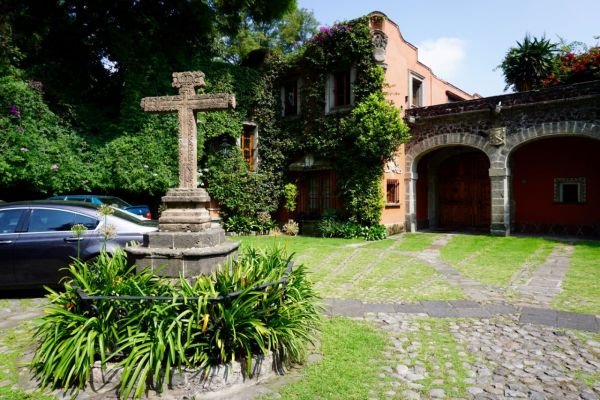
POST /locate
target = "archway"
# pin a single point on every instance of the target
(453, 189)
(556, 186)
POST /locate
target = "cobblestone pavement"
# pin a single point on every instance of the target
(499, 350)
(494, 358)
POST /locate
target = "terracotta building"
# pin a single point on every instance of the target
(410, 84)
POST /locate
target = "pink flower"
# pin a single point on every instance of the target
(24, 149)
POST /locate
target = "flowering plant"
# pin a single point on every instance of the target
(574, 68)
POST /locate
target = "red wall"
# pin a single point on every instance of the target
(534, 167)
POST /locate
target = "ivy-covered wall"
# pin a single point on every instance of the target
(357, 140)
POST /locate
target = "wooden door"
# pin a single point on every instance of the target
(464, 191)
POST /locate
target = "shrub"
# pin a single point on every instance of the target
(290, 193)
(195, 329)
(331, 227)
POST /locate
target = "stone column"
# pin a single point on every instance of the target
(500, 199)
(411, 201)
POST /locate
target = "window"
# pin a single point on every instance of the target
(416, 87)
(248, 145)
(339, 93)
(317, 193)
(393, 191)
(341, 89)
(9, 219)
(569, 190)
(289, 99)
(43, 220)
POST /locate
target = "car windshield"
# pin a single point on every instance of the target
(114, 201)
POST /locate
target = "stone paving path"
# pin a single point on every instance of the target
(473, 289)
(546, 281)
(507, 351)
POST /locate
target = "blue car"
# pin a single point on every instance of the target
(140, 209)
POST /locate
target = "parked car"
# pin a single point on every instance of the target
(36, 241)
(140, 209)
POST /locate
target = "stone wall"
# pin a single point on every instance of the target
(517, 111)
(497, 126)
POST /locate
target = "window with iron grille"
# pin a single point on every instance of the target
(393, 191)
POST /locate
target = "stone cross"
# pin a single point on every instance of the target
(186, 104)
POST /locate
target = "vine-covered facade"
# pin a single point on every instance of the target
(340, 105)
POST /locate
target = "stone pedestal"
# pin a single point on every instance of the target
(187, 243)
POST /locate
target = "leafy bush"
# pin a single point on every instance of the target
(238, 191)
(244, 225)
(290, 193)
(149, 339)
(331, 227)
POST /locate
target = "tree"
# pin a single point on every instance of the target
(528, 64)
(103, 55)
(285, 35)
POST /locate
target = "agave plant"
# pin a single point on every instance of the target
(527, 65)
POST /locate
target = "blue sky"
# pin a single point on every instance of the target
(463, 41)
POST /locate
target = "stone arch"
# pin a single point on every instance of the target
(549, 129)
(424, 146)
(541, 158)
(418, 150)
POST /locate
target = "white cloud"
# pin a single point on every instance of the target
(443, 55)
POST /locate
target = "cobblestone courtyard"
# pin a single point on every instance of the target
(496, 348)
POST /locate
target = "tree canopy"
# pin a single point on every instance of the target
(101, 55)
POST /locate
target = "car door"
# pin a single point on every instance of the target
(48, 245)
(11, 220)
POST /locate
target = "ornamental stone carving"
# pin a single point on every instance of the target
(380, 41)
(497, 135)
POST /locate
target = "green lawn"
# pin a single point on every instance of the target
(352, 353)
(581, 287)
(367, 271)
(494, 260)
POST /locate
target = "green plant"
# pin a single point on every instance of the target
(149, 339)
(290, 194)
(527, 65)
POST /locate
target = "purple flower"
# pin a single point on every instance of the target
(24, 149)
(20, 129)
(14, 111)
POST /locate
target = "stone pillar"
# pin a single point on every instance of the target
(500, 199)
(411, 201)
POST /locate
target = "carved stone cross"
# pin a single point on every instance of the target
(186, 104)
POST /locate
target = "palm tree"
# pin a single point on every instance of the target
(526, 65)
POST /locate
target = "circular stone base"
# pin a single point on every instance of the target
(187, 262)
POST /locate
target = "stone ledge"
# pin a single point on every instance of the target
(189, 383)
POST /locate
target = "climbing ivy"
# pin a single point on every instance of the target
(364, 136)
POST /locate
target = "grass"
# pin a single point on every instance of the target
(494, 260)
(367, 271)
(405, 242)
(349, 368)
(358, 362)
(581, 287)
(15, 342)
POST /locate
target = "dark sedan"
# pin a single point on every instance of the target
(36, 240)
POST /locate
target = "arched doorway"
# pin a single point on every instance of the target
(556, 186)
(453, 190)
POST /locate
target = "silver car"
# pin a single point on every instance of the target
(37, 243)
